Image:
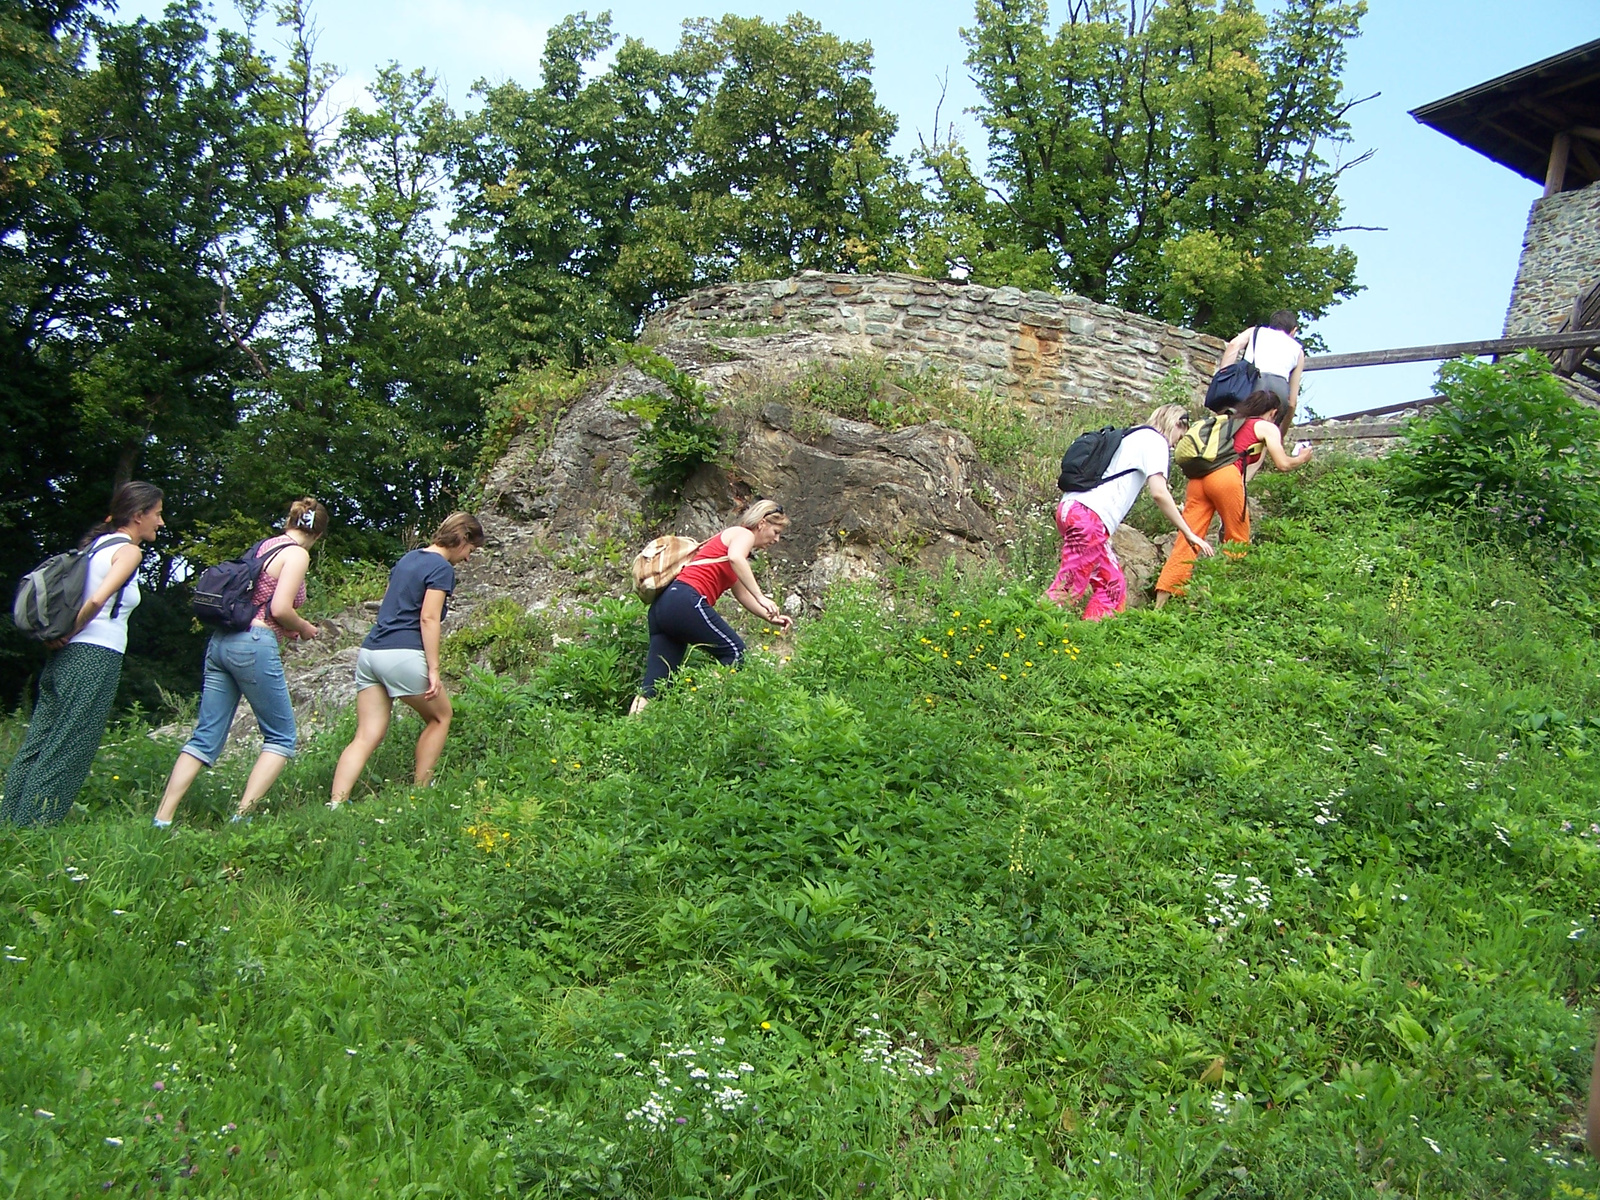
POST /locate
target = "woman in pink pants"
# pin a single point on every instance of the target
(1087, 520)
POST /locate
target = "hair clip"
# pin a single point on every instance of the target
(308, 519)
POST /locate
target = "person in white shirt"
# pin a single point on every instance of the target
(1275, 350)
(1086, 520)
(79, 681)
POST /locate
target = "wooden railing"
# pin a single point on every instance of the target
(1582, 360)
(1585, 339)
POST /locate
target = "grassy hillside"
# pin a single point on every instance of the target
(1290, 890)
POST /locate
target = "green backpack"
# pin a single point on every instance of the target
(1208, 446)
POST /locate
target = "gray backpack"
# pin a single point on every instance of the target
(50, 595)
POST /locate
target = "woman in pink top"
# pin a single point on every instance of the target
(247, 663)
(684, 614)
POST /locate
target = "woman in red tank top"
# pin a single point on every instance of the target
(1222, 492)
(684, 616)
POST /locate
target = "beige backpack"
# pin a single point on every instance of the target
(658, 564)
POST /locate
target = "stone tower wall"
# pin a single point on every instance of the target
(1560, 259)
(1052, 351)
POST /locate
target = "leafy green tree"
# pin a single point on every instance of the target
(108, 289)
(789, 153)
(38, 53)
(750, 150)
(1169, 156)
(559, 184)
(362, 390)
(219, 287)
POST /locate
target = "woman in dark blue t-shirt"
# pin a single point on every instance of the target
(400, 657)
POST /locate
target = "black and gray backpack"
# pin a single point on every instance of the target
(50, 596)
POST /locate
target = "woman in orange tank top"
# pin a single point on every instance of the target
(684, 616)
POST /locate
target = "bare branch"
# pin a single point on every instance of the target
(227, 325)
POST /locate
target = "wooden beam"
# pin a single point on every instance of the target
(1383, 410)
(1378, 358)
(1532, 145)
(1556, 175)
(1568, 362)
(1350, 430)
(1587, 131)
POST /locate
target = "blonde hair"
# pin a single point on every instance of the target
(1167, 418)
(459, 529)
(769, 511)
(308, 516)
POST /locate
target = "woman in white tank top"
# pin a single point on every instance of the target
(79, 681)
(1276, 353)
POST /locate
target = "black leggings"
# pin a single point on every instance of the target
(681, 617)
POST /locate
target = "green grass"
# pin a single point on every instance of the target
(1286, 890)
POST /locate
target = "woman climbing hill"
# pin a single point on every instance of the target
(684, 614)
(79, 681)
(1256, 437)
(399, 659)
(1087, 519)
(248, 663)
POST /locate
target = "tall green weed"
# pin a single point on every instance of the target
(677, 432)
(1513, 452)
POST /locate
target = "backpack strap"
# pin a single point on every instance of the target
(1126, 433)
(254, 553)
(1251, 358)
(120, 539)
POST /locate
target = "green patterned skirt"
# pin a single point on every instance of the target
(76, 689)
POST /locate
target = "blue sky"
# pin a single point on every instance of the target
(1441, 269)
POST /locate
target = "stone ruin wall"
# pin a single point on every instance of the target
(1053, 352)
(1560, 259)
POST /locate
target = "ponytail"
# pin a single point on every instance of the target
(308, 516)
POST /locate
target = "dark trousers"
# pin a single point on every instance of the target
(76, 689)
(681, 617)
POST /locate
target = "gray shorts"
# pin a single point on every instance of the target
(399, 672)
(1278, 385)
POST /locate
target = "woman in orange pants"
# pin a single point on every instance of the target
(1222, 492)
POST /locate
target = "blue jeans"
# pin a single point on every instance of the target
(244, 663)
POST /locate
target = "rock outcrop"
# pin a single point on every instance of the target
(858, 497)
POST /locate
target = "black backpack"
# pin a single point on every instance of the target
(225, 595)
(1084, 464)
(1235, 382)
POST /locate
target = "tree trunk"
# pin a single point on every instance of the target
(126, 461)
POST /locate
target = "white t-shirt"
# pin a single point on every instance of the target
(1143, 453)
(1276, 352)
(104, 630)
